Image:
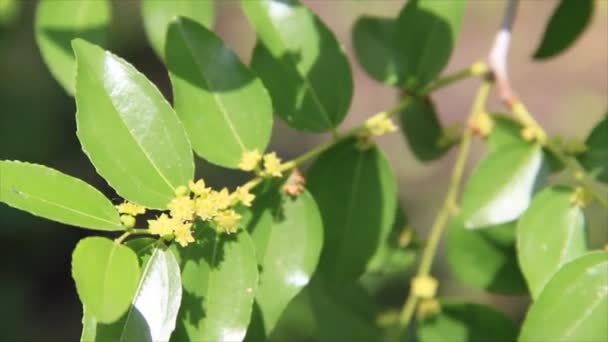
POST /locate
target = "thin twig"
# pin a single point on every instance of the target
(499, 54)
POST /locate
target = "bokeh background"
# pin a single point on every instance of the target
(38, 301)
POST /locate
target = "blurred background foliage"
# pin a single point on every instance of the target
(568, 94)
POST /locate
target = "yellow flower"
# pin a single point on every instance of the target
(205, 208)
(424, 286)
(272, 165)
(181, 191)
(250, 160)
(162, 226)
(221, 199)
(380, 124)
(183, 234)
(182, 208)
(199, 187)
(242, 195)
(227, 220)
(130, 209)
(482, 124)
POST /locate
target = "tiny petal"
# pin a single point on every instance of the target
(130, 209)
(250, 160)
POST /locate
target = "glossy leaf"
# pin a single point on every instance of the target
(595, 159)
(549, 234)
(128, 130)
(58, 22)
(153, 312)
(301, 64)
(470, 322)
(501, 187)
(221, 102)
(373, 40)
(573, 305)
(567, 24)
(343, 313)
(356, 193)
(106, 276)
(422, 130)
(485, 258)
(219, 276)
(157, 15)
(427, 31)
(56, 196)
(275, 221)
(506, 131)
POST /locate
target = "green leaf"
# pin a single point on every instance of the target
(157, 15)
(356, 193)
(485, 258)
(58, 22)
(422, 130)
(128, 130)
(549, 234)
(427, 31)
(153, 312)
(221, 102)
(573, 305)
(595, 159)
(106, 276)
(9, 11)
(373, 42)
(501, 187)
(219, 276)
(301, 63)
(343, 313)
(274, 222)
(506, 131)
(56, 196)
(567, 23)
(459, 321)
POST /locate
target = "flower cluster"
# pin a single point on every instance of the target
(197, 201)
(250, 161)
(380, 124)
(128, 212)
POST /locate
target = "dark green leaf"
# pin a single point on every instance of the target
(356, 193)
(301, 64)
(501, 187)
(595, 159)
(219, 99)
(153, 311)
(157, 15)
(373, 42)
(460, 322)
(549, 234)
(427, 31)
(343, 313)
(573, 305)
(485, 258)
(128, 130)
(51, 194)
(106, 276)
(219, 276)
(276, 221)
(422, 129)
(567, 23)
(58, 22)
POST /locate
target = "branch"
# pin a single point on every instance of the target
(499, 54)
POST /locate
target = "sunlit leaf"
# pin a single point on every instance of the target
(157, 15)
(129, 131)
(573, 305)
(224, 106)
(568, 22)
(219, 276)
(106, 275)
(301, 64)
(595, 159)
(58, 22)
(356, 193)
(501, 187)
(56, 196)
(549, 234)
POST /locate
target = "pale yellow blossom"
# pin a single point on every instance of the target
(199, 188)
(162, 226)
(131, 209)
(250, 160)
(227, 220)
(243, 195)
(272, 165)
(183, 233)
(380, 124)
(182, 208)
